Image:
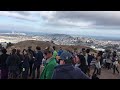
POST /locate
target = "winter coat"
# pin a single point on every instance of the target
(38, 58)
(48, 69)
(68, 71)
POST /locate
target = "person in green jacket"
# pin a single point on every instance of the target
(49, 66)
(55, 52)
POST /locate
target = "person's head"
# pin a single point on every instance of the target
(48, 53)
(87, 50)
(60, 48)
(4, 51)
(83, 51)
(30, 47)
(38, 48)
(54, 47)
(18, 51)
(13, 51)
(93, 54)
(65, 58)
(25, 52)
(100, 53)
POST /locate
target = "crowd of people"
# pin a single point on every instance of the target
(61, 64)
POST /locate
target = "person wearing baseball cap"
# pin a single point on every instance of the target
(66, 70)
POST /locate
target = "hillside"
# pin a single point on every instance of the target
(24, 44)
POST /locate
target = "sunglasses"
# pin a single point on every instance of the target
(45, 53)
(59, 59)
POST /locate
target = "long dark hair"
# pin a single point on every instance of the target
(114, 54)
(100, 53)
(4, 51)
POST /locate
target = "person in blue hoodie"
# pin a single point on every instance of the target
(66, 70)
(60, 51)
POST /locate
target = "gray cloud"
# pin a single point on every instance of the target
(82, 19)
(99, 19)
(24, 13)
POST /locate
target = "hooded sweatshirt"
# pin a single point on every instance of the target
(68, 71)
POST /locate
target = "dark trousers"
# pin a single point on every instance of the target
(38, 71)
(13, 74)
(108, 65)
(20, 67)
(88, 70)
(4, 73)
(115, 68)
(97, 71)
(25, 73)
(31, 65)
(84, 68)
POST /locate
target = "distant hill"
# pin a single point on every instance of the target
(58, 36)
(24, 45)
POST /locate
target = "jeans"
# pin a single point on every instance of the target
(88, 70)
(97, 71)
(13, 74)
(4, 73)
(38, 71)
(25, 73)
(108, 65)
(115, 68)
(31, 65)
(84, 68)
(20, 67)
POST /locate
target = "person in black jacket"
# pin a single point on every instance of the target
(89, 59)
(37, 62)
(83, 61)
(13, 62)
(31, 55)
(4, 67)
(21, 59)
(25, 65)
(66, 70)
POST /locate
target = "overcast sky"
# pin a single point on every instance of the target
(103, 23)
